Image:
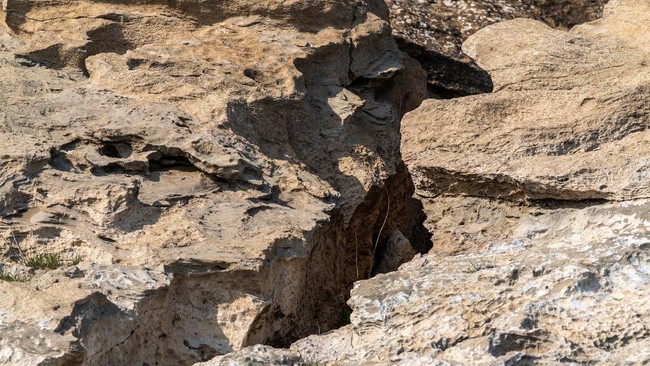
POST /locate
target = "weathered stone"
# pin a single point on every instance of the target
(567, 121)
(568, 286)
(541, 197)
(257, 355)
(213, 176)
(433, 31)
(203, 161)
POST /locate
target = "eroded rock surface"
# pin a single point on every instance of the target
(433, 32)
(538, 204)
(212, 175)
(567, 123)
(568, 287)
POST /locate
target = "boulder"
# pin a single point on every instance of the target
(433, 31)
(566, 122)
(182, 180)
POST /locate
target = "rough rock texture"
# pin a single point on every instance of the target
(568, 122)
(537, 198)
(211, 174)
(570, 286)
(433, 31)
(257, 355)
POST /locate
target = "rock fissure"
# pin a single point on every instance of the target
(239, 174)
(206, 221)
(536, 198)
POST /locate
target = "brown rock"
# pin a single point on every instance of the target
(433, 31)
(563, 130)
(549, 239)
(204, 162)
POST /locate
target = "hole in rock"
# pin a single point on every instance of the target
(252, 74)
(118, 150)
(447, 77)
(161, 162)
(59, 161)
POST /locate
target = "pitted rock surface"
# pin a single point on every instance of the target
(566, 122)
(568, 287)
(193, 166)
(538, 204)
(215, 176)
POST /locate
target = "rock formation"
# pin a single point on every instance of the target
(200, 182)
(537, 198)
(180, 180)
(433, 31)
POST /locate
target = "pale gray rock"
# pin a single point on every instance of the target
(257, 356)
(568, 287)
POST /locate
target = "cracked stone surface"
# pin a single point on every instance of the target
(433, 31)
(214, 176)
(538, 204)
(569, 286)
(568, 122)
(193, 166)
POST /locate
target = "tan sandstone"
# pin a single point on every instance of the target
(203, 161)
(537, 199)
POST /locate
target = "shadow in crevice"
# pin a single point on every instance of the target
(447, 77)
(85, 313)
(165, 316)
(332, 140)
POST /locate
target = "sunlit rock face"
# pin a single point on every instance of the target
(537, 197)
(433, 31)
(203, 175)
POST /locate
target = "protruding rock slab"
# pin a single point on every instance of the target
(568, 120)
(569, 286)
(206, 175)
(541, 192)
(433, 31)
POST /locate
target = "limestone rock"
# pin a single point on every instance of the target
(553, 132)
(188, 174)
(567, 121)
(433, 31)
(568, 287)
(541, 197)
(257, 355)
(537, 201)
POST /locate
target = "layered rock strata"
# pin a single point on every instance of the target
(566, 125)
(537, 198)
(197, 177)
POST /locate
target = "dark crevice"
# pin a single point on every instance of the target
(554, 203)
(162, 162)
(119, 150)
(59, 161)
(448, 77)
(440, 181)
(344, 254)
